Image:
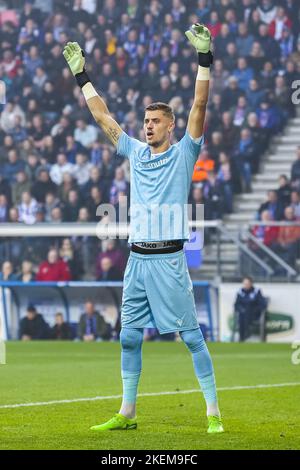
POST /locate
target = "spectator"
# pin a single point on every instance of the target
(119, 184)
(5, 188)
(13, 166)
(272, 205)
(229, 132)
(27, 208)
(295, 171)
(93, 202)
(27, 274)
(7, 273)
(203, 165)
(230, 60)
(72, 148)
(249, 305)
(268, 44)
(51, 202)
(61, 330)
(256, 58)
(71, 209)
(68, 184)
(295, 204)
(115, 254)
(60, 168)
(260, 138)
(244, 40)
(82, 169)
(4, 208)
(240, 111)
(267, 234)
(231, 93)
(95, 179)
(243, 73)
(244, 155)
(213, 193)
(54, 269)
(19, 131)
(254, 95)
(284, 191)
(21, 185)
(56, 215)
(72, 258)
(85, 134)
(224, 176)
(33, 326)
(92, 325)
(108, 271)
(43, 185)
(288, 238)
(8, 117)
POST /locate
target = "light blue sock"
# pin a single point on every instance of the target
(131, 365)
(203, 367)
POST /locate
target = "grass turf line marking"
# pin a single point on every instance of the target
(153, 394)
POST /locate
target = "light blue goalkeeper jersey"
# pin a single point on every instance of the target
(160, 186)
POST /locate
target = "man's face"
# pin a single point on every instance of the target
(247, 284)
(52, 256)
(12, 156)
(44, 176)
(89, 308)
(30, 315)
(26, 197)
(106, 264)
(59, 319)
(289, 213)
(7, 268)
(157, 128)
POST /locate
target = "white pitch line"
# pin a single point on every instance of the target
(153, 394)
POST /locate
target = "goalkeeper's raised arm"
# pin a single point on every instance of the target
(75, 59)
(200, 37)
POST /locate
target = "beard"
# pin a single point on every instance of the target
(156, 143)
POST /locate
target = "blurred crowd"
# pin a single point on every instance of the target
(282, 205)
(55, 164)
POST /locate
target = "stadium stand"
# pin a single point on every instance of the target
(55, 164)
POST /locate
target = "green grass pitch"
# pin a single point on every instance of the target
(256, 418)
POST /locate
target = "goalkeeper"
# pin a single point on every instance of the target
(157, 287)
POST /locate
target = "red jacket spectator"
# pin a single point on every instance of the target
(277, 26)
(54, 269)
(268, 234)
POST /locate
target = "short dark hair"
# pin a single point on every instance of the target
(31, 308)
(248, 278)
(159, 106)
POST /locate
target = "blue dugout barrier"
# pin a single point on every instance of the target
(69, 297)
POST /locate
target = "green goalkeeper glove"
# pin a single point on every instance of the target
(74, 56)
(200, 37)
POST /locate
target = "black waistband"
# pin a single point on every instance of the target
(154, 248)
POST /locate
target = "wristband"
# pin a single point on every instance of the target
(203, 73)
(89, 91)
(205, 59)
(82, 78)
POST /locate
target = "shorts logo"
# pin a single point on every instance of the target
(179, 322)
